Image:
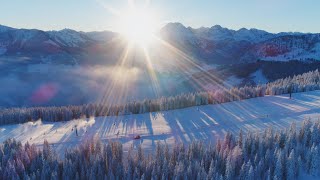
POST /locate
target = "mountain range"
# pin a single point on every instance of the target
(214, 45)
(67, 67)
(222, 45)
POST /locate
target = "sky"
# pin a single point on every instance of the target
(98, 15)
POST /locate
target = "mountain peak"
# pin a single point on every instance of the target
(216, 27)
(176, 28)
(174, 25)
(68, 30)
(5, 28)
(243, 29)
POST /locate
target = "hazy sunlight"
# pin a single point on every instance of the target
(138, 25)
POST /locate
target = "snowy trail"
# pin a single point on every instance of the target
(184, 125)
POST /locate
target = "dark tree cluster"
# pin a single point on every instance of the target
(272, 70)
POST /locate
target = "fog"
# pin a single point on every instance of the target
(47, 84)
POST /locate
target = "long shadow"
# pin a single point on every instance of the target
(189, 128)
(241, 115)
(185, 125)
(131, 126)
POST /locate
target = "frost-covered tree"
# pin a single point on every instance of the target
(269, 155)
(300, 83)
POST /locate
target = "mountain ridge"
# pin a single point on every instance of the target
(244, 45)
(214, 44)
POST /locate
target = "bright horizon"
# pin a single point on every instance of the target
(100, 15)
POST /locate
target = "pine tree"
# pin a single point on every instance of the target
(251, 174)
(211, 170)
(278, 170)
(292, 166)
(229, 169)
(243, 175)
(315, 161)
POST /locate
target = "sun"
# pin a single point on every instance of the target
(138, 25)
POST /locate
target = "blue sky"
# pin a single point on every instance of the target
(88, 15)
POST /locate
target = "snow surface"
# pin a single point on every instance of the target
(232, 81)
(218, 33)
(258, 77)
(206, 123)
(51, 42)
(69, 37)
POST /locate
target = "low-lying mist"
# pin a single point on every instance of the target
(47, 85)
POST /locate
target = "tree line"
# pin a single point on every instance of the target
(270, 155)
(300, 83)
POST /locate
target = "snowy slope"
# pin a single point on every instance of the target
(68, 37)
(205, 123)
(259, 78)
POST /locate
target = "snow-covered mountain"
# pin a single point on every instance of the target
(218, 33)
(78, 66)
(222, 45)
(69, 38)
(34, 43)
(216, 45)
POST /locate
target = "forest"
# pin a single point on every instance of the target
(287, 154)
(272, 70)
(301, 83)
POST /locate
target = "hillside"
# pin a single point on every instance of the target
(205, 123)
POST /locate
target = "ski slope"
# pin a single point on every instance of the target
(206, 123)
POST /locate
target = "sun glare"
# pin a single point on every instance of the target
(138, 26)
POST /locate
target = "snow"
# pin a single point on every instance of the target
(206, 123)
(296, 54)
(253, 35)
(232, 81)
(259, 78)
(24, 35)
(68, 37)
(51, 42)
(215, 33)
(218, 33)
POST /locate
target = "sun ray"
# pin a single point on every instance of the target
(107, 98)
(212, 79)
(137, 25)
(152, 74)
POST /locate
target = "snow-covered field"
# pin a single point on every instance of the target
(206, 123)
